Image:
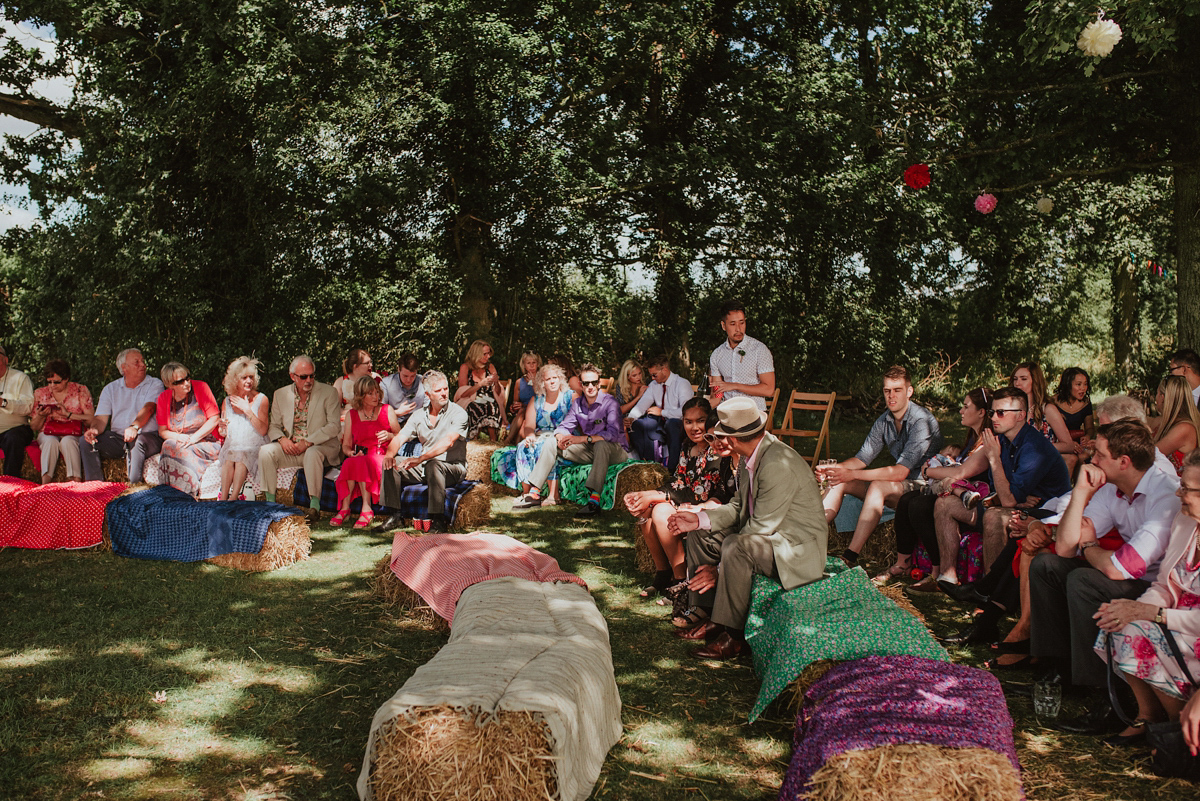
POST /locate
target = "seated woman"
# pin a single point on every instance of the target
(522, 393)
(479, 392)
(1140, 649)
(60, 411)
(188, 416)
(631, 385)
(357, 364)
(370, 426)
(243, 424)
(914, 511)
(550, 405)
(1177, 429)
(573, 382)
(703, 478)
(1029, 378)
(1069, 415)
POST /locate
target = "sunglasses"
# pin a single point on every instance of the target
(179, 381)
(1002, 412)
(302, 376)
(710, 437)
(595, 383)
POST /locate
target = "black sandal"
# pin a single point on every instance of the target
(1025, 661)
(1017, 647)
(662, 580)
(692, 616)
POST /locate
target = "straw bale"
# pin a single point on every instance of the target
(807, 678)
(636, 478)
(287, 542)
(479, 460)
(395, 593)
(645, 563)
(115, 470)
(916, 771)
(896, 593)
(287, 495)
(106, 540)
(33, 472)
(447, 753)
(474, 508)
(880, 549)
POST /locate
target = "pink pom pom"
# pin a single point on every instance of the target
(985, 203)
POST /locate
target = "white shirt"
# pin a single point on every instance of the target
(742, 365)
(17, 391)
(121, 404)
(1144, 521)
(670, 397)
(1196, 395)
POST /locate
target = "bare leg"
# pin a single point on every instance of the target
(552, 499)
(671, 546)
(239, 476)
(1150, 703)
(995, 533)
(878, 495)
(226, 480)
(1024, 623)
(948, 512)
(833, 499)
(653, 541)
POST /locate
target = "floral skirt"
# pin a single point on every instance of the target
(1140, 649)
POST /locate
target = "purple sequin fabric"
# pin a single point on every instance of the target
(897, 700)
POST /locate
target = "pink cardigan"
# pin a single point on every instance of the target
(204, 396)
(1165, 591)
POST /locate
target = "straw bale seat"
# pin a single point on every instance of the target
(521, 703)
(468, 503)
(31, 468)
(397, 595)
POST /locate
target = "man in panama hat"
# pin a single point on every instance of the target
(775, 526)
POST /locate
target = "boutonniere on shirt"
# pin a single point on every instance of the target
(742, 353)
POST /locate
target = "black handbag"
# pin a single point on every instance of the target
(1171, 756)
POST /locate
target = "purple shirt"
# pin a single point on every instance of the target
(601, 420)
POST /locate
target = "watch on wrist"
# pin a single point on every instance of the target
(1160, 616)
(589, 439)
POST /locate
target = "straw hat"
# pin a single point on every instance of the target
(739, 417)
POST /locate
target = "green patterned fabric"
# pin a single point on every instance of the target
(571, 479)
(841, 617)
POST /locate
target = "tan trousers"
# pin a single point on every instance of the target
(271, 457)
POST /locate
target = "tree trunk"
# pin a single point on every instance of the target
(1126, 328)
(1187, 254)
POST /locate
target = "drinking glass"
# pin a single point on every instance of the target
(1047, 699)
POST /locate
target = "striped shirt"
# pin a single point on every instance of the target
(741, 365)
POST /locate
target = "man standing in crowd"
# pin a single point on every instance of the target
(16, 402)
(305, 431)
(1186, 362)
(129, 405)
(1119, 490)
(910, 433)
(741, 366)
(773, 527)
(591, 433)
(658, 414)
(441, 428)
(402, 389)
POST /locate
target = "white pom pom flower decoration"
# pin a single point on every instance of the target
(1099, 37)
(1045, 205)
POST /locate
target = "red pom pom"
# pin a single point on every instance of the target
(917, 176)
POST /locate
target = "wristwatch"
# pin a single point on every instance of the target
(1161, 616)
(589, 439)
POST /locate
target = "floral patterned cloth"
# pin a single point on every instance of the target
(521, 461)
(699, 477)
(183, 467)
(1140, 649)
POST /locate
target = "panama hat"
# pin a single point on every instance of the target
(739, 417)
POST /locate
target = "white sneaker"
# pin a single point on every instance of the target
(527, 501)
(970, 498)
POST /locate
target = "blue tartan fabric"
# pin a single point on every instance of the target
(412, 503)
(166, 524)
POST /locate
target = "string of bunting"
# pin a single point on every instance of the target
(1152, 266)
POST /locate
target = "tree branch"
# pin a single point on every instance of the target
(41, 112)
(1092, 173)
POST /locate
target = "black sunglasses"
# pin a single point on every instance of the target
(595, 383)
(179, 381)
(302, 376)
(1002, 412)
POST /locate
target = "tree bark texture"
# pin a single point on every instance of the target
(1126, 316)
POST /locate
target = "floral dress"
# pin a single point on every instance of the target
(699, 478)
(548, 419)
(483, 411)
(1140, 649)
(183, 467)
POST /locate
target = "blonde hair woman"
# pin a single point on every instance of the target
(243, 424)
(522, 391)
(479, 392)
(631, 385)
(1177, 430)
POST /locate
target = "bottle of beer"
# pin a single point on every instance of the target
(702, 387)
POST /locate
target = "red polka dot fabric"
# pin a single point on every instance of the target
(50, 516)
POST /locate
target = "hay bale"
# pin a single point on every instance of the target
(638, 477)
(33, 472)
(287, 495)
(896, 593)
(105, 539)
(395, 593)
(807, 678)
(880, 550)
(474, 508)
(645, 562)
(115, 470)
(479, 460)
(287, 542)
(443, 752)
(916, 771)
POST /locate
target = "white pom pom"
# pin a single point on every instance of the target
(1045, 205)
(1099, 37)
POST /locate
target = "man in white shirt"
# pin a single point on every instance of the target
(129, 404)
(16, 402)
(1186, 362)
(741, 366)
(1119, 490)
(658, 415)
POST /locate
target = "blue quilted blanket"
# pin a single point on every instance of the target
(164, 523)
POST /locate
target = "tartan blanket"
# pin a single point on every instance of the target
(841, 617)
(67, 515)
(897, 700)
(166, 524)
(571, 477)
(412, 500)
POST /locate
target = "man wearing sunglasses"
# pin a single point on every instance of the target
(305, 431)
(658, 414)
(591, 433)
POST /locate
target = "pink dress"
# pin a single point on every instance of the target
(366, 468)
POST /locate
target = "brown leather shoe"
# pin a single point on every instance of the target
(723, 648)
(312, 516)
(701, 631)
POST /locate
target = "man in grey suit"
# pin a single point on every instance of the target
(775, 526)
(305, 431)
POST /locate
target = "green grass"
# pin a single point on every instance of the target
(271, 680)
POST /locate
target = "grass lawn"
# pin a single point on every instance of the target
(270, 680)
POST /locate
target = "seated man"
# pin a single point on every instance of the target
(658, 415)
(402, 389)
(910, 433)
(1119, 490)
(129, 405)
(741, 366)
(16, 402)
(591, 433)
(773, 526)
(305, 431)
(441, 428)
(1186, 362)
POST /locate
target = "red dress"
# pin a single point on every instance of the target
(366, 468)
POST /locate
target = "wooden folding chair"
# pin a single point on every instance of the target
(818, 403)
(606, 384)
(771, 404)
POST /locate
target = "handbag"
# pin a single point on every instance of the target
(63, 428)
(1171, 756)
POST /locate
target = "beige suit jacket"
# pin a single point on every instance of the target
(324, 414)
(787, 511)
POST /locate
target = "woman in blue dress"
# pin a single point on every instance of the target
(550, 404)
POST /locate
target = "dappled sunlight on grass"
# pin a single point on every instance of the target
(32, 657)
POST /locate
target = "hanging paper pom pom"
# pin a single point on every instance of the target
(1045, 205)
(917, 176)
(985, 203)
(1099, 37)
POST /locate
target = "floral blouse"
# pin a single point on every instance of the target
(699, 478)
(77, 400)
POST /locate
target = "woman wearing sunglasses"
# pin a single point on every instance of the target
(60, 410)
(703, 477)
(187, 421)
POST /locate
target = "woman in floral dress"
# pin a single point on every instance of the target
(551, 402)
(188, 416)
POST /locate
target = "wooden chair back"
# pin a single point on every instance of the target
(812, 406)
(771, 404)
(606, 384)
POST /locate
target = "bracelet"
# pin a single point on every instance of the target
(1089, 544)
